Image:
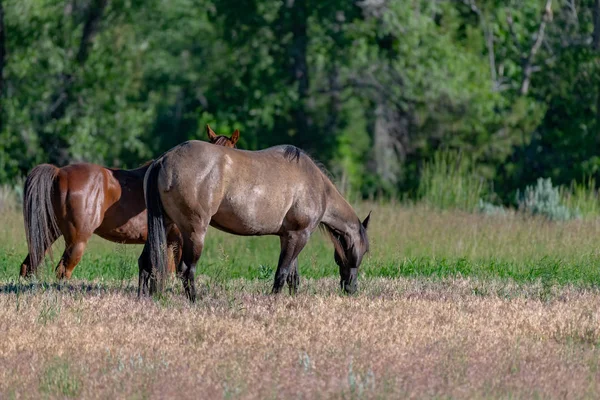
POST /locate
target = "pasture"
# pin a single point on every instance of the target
(450, 304)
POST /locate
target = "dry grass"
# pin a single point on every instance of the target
(398, 338)
(418, 231)
(419, 338)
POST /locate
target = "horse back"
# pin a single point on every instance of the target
(242, 192)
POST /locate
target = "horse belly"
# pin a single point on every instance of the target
(257, 212)
(121, 230)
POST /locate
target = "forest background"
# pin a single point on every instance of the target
(374, 89)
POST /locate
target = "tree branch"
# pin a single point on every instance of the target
(472, 6)
(596, 47)
(513, 34)
(528, 67)
(596, 34)
(381, 89)
(489, 42)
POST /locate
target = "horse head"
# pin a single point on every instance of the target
(222, 140)
(350, 248)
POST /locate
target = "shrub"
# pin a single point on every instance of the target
(544, 199)
(490, 209)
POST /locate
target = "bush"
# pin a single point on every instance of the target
(544, 199)
(490, 209)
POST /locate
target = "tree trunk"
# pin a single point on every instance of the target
(56, 146)
(596, 46)
(2, 63)
(335, 101)
(298, 12)
(596, 33)
(390, 142)
(90, 29)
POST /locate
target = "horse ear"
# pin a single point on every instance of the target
(212, 136)
(365, 223)
(235, 136)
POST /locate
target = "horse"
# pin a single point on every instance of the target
(277, 191)
(82, 199)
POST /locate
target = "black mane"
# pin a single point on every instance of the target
(293, 153)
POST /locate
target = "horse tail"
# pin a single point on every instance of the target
(41, 228)
(157, 236)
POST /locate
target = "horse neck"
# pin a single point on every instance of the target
(339, 214)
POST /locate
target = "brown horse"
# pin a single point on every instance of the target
(79, 200)
(278, 191)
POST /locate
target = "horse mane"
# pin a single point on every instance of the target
(336, 239)
(293, 153)
(221, 140)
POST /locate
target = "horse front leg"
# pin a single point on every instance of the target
(293, 278)
(292, 244)
(71, 256)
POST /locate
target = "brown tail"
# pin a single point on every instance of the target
(41, 228)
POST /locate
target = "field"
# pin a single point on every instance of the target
(450, 305)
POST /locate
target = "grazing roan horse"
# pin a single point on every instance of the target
(79, 200)
(278, 191)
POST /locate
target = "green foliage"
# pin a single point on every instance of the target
(371, 89)
(450, 181)
(544, 199)
(582, 197)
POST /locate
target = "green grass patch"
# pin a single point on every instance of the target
(405, 242)
(59, 379)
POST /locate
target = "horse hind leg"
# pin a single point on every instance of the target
(291, 245)
(27, 268)
(72, 255)
(174, 253)
(193, 244)
(145, 269)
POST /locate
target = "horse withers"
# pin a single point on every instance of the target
(79, 200)
(278, 191)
